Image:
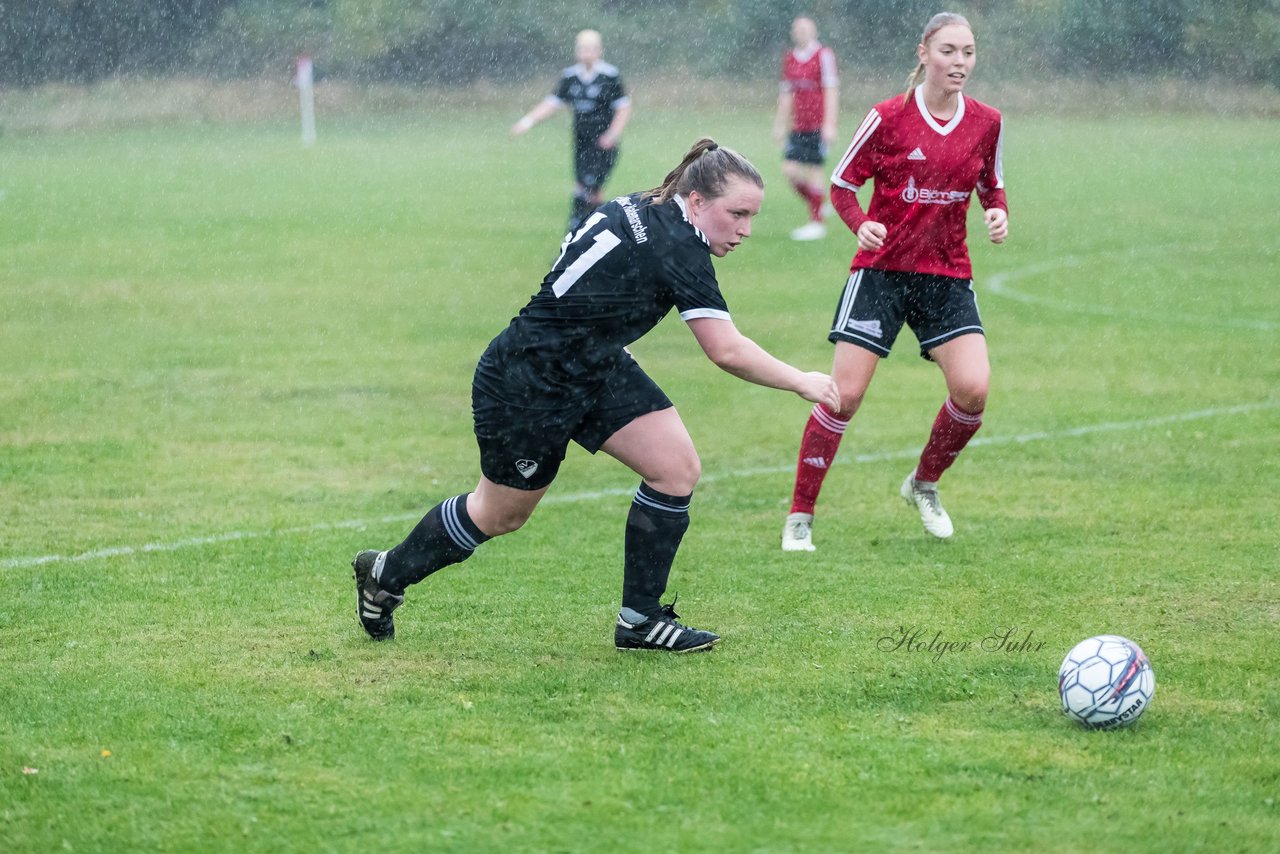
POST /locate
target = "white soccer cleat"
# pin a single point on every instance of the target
(797, 533)
(810, 231)
(925, 498)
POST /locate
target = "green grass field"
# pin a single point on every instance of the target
(229, 363)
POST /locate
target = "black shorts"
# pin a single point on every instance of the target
(805, 147)
(592, 164)
(875, 304)
(523, 446)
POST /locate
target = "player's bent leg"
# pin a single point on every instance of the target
(498, 509)
(965, 365)
(852, 369)
(967, 369)
(794, 171)
(449, 533)
(800, 176)
(579, 206)
(818, 180)
(658, 448)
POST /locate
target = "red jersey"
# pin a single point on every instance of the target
(805, 73)
(924, 171)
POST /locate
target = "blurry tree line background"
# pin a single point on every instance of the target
(460, 41)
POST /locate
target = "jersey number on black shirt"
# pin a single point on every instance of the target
(604, 242)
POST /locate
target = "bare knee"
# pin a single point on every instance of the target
(504, 523)
(971, 394)
(678, 477)
(849, 403)
(494, 518)
(852, 370)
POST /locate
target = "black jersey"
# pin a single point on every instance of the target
(627, 265)
(593, 96)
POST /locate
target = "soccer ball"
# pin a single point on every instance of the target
(1106, 682)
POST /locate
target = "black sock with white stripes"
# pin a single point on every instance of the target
(655, 527)
(445, 536)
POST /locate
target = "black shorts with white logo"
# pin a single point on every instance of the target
(522, 446)
(805, 147)
(875, 304)
(592, 164)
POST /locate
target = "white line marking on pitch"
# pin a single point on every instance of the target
(998, 285)
(576, 497)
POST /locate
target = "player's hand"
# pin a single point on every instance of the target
(871, 236)
(828, 134)
(521, 127)
(779, 136)
(997, 224)
(606, 140)
(820, 388)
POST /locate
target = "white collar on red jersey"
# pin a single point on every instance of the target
(807, 53)
(931, 121)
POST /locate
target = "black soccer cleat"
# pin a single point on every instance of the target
(661, 633)
(373, 604)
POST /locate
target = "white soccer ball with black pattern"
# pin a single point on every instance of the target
(1106, 682)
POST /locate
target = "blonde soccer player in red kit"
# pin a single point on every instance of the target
(808, 103)
(927, 152)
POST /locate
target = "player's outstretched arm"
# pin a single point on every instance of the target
(737, 354)
(542, 110)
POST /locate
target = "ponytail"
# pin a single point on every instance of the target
(664, 191)
(912, 79)
(706, 168)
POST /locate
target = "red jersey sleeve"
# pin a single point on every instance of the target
(855, 168)
(990, 186)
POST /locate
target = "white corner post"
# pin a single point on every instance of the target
(304, 79)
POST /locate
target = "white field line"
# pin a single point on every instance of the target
(578, 497)
(998, 284)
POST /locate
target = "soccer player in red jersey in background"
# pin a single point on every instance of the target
(927, 152)
(808, 103)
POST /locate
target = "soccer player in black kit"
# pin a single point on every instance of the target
(561, 371)
(601, 108)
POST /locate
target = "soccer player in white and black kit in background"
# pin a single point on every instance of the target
(601, 108)
(561, 371)
(927, 153)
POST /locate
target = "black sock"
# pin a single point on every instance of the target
(655, 526)
(578, 210)
(445, 536)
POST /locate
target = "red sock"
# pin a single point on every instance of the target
(952, 430)
(818, 447)
(813, 198)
